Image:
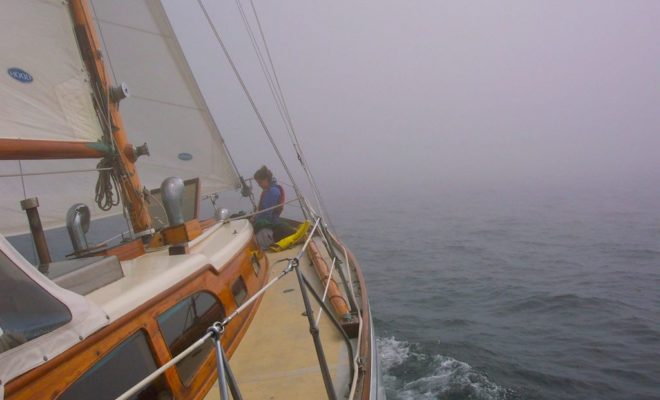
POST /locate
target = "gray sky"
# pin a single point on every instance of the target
(443, 91)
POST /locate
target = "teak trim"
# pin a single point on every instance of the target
(51, 379)
(26, 149)
(92, 56)
(364, 379)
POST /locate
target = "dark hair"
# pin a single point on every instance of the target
(263, 173)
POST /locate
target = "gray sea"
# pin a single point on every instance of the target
(532, 292)
(527, 293)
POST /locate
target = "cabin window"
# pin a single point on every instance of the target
(27, 310)
(239, 290)
(256, 266)
(114, 374)
(183, 324)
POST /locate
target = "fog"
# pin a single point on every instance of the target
(401, 94)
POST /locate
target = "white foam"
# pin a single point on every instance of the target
(447, 377)
(392, 353)
(452, 376)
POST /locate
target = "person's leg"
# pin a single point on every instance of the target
(264, 238)
(282, 230)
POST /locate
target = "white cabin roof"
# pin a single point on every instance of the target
(149, 275)
(144, 278)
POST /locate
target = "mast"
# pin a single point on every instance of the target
(131, 188)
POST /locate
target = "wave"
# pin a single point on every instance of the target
(392, 353)
(410, 375)
(559, 303)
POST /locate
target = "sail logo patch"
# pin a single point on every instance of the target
(185, 156)
(20, 75)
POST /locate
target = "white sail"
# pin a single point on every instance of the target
(44, 94)
(44, 85)
(166, 109)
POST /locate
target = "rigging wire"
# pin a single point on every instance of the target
(245, 191)
(105, 47)
(118, 173)
(278, 94)
(262, 63)
(264, 69)
(22, 175)
(250, 99)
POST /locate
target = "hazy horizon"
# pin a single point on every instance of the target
(448, 93)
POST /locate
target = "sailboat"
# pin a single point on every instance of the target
(101, 118)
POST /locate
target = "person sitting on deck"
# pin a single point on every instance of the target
(267, 224)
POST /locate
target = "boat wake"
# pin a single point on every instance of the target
(412, 375)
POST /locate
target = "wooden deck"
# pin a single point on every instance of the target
(276, 358)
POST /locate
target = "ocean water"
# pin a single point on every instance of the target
(533, 293)
(503, 293)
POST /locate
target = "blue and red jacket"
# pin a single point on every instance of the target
(270, 197)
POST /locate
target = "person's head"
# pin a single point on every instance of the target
(264, 177)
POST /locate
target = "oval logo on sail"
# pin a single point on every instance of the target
(185, 156)
(20, 75)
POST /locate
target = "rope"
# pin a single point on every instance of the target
(107, 184)
(325, 292)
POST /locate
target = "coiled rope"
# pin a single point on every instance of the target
(107, 184)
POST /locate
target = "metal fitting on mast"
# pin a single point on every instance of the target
(119, 92)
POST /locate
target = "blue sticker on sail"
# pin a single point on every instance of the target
(185, 156)
(20, 75)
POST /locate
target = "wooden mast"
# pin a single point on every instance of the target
(131, 188)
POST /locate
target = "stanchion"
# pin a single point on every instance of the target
(220, 363)
(233, 384)
(314, 331)
(226, 377)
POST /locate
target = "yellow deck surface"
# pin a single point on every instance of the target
(276, 358)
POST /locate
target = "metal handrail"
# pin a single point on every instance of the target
(216, 329)
(151, 377)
